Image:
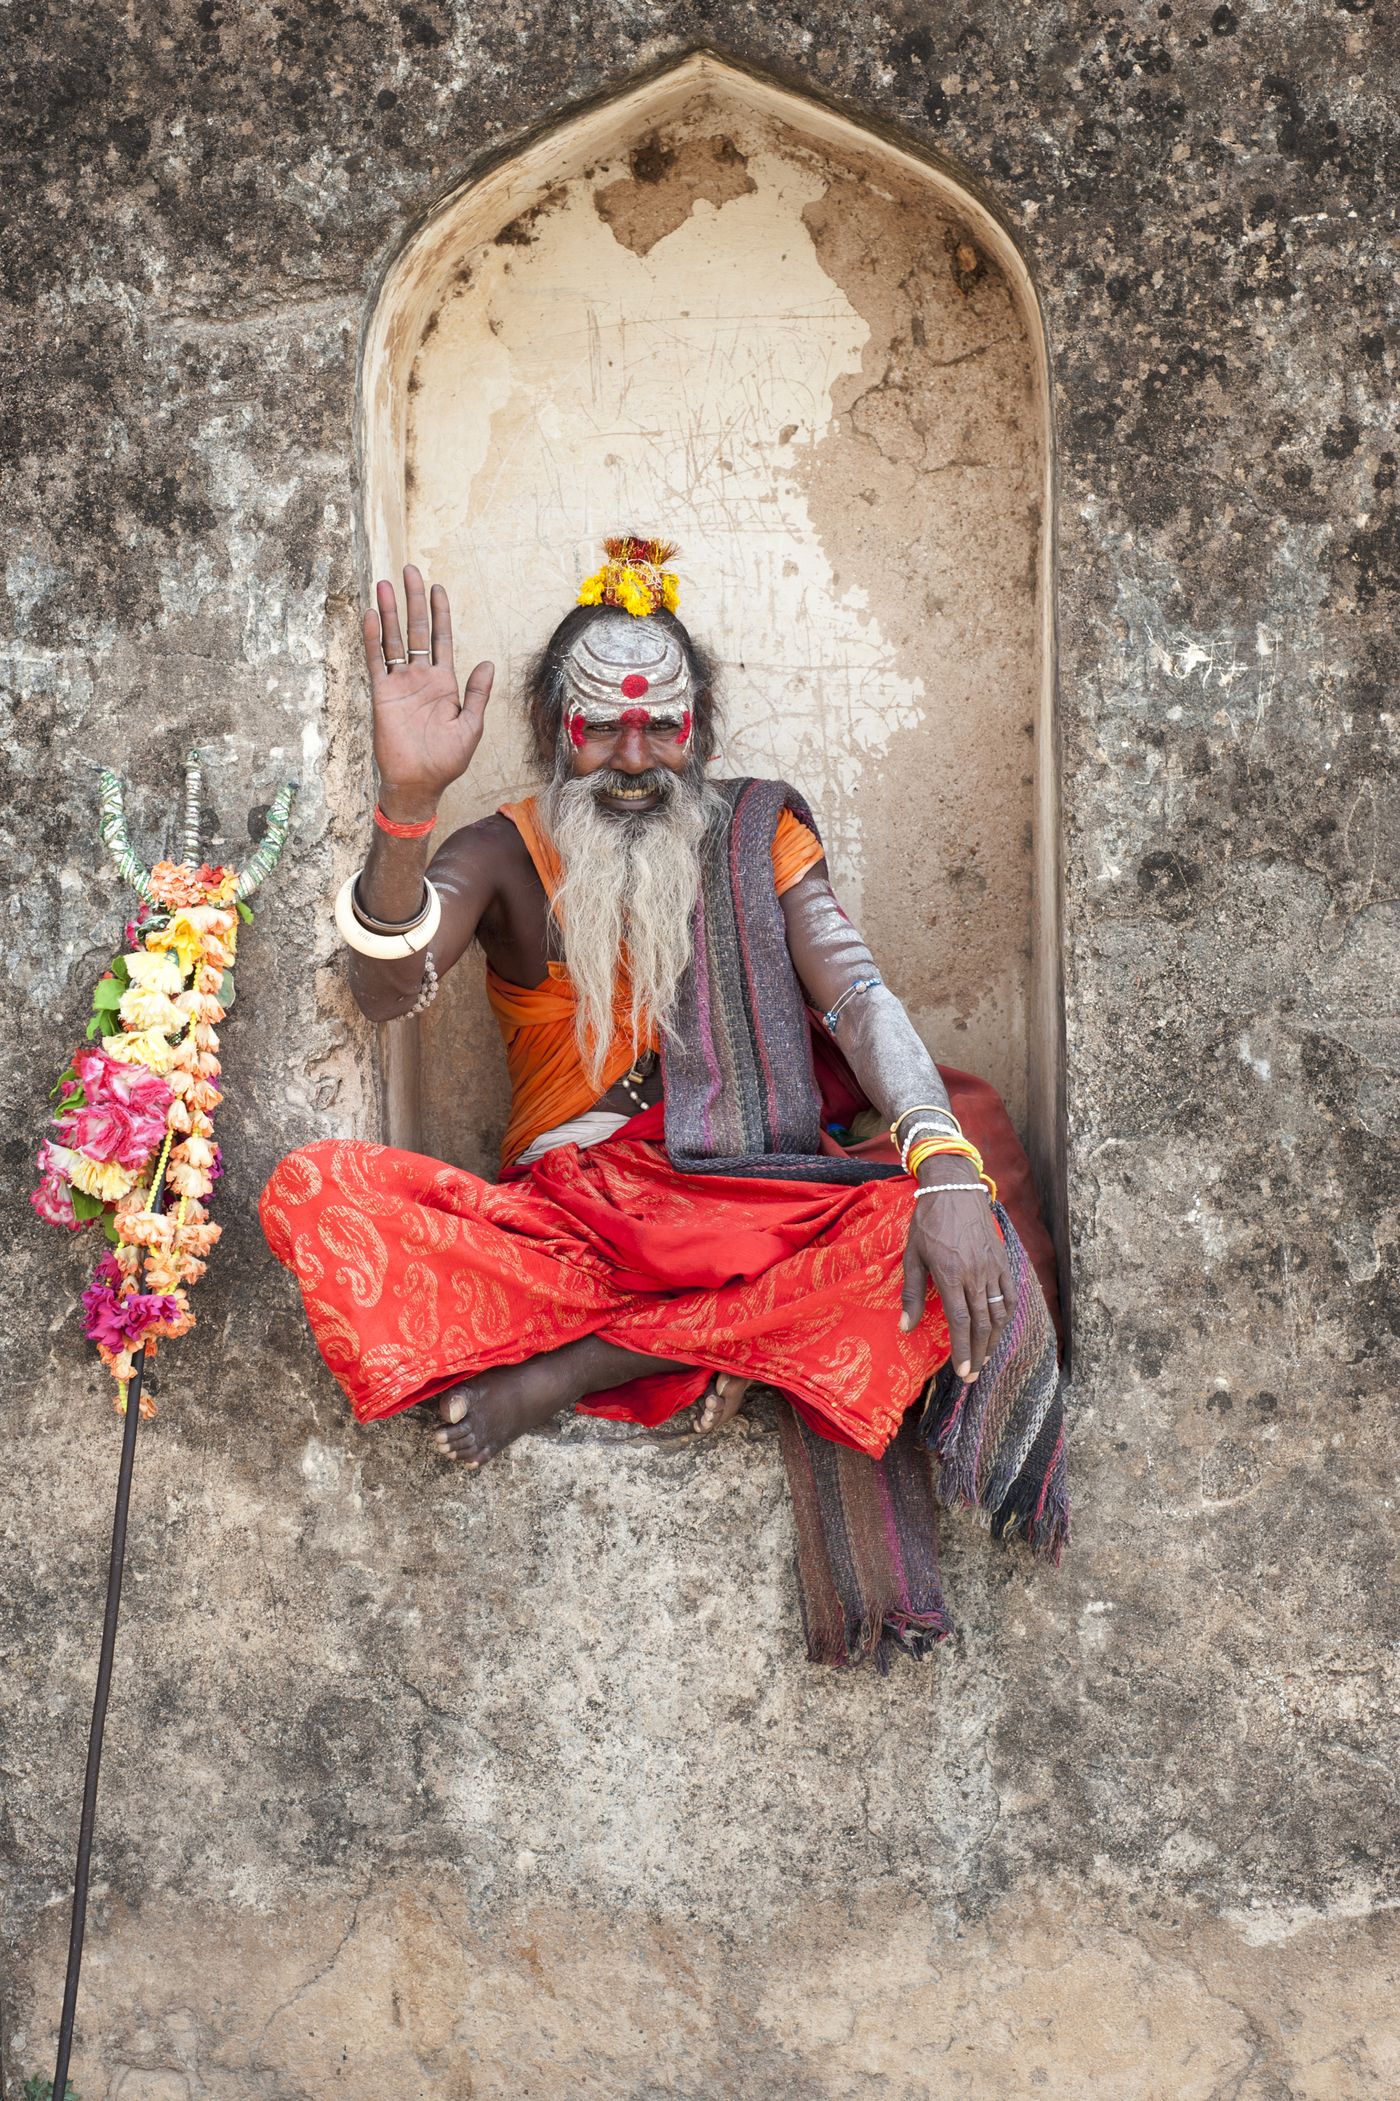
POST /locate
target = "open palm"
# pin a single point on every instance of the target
(425, 732)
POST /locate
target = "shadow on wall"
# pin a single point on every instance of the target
(711, 309)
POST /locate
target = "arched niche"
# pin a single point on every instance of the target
(713, 309)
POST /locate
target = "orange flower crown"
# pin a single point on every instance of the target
(635, 577)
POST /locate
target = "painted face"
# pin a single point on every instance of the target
(624, 674)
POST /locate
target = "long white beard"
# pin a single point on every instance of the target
(631, 880)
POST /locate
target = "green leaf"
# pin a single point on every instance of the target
(65, 1079)
(93, 1026)
(108, 1022)
(226, 989)
(109, 1227)
(120, 970)
(85, 1206)
(245, 913)
(108, 992)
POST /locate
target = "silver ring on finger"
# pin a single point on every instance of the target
(420, 652)
(994, 1298)
(395, 660)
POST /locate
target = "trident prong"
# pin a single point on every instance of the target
(112, 829)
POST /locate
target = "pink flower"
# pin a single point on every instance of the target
(107, 1079)
(106, 1131)
(53, 1199)
(120, 1323)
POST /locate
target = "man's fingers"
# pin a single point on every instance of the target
(1003, 1308)
(477, 693)
(441, 613)
(914, 1294)
(420, 633)
(389, 624)
(374, 647)
(980, 1326)
(959, 1334)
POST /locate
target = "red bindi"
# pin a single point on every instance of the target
(634, 718)
(634, 685)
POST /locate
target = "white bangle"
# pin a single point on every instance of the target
(384, 947)
(942, 1188)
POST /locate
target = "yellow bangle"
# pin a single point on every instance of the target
(933, 1148)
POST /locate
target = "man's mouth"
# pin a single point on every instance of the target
(640, 793)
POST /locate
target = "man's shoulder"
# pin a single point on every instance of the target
(491, 841)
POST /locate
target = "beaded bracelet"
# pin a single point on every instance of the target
(924, 1109)
(942, 1188)
(427, 991)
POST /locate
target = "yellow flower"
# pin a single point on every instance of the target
(180, 933)
(635, 593)
(670, 590)
(144, 1008)
(590, 591)
(153, 971)
(106, 1179)
(147, 1047)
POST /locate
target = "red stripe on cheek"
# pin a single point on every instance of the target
(577, 733)
(685, 727)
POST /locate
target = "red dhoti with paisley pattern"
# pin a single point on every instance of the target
(416, 1274)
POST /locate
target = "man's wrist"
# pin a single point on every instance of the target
(944, 1168)
(407, 805)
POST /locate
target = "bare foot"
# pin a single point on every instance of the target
(723, 1399)
(486, 1413)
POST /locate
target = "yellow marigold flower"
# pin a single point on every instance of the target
(154, 970)
(670, 590)
(142, 1008)
(635, 593)
(148, 1047)
(590, 591)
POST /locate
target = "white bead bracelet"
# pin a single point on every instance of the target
(942, 1188)
(384, 947)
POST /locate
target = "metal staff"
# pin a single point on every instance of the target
(113, 831)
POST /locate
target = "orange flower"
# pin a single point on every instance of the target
(174, 883)
(198, 1152)
(146, 1228)
(199, 1238)
(186, 1180)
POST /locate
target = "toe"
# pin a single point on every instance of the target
(453, 1405)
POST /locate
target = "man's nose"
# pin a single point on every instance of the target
(632, 753)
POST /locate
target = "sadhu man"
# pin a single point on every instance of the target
(700, 1047)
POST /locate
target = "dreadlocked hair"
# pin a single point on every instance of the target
(544, 682)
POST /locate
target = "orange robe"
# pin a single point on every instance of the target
(416, 1274)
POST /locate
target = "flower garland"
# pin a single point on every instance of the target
(133, 1132)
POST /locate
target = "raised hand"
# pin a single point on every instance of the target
(425, 733)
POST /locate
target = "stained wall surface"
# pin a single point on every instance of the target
(722, 327)
(418, 1786)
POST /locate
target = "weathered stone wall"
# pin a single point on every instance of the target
(418, 1786)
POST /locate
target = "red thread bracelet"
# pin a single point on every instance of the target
(403, 831)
